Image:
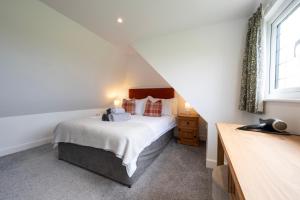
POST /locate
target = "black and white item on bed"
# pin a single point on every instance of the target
(119, 117)
(105, 116)
(115, 115)
(117, 110)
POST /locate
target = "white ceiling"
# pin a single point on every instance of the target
(149, 18)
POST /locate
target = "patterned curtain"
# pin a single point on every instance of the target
(251, 99)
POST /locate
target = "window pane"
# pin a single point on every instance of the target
(287, 53)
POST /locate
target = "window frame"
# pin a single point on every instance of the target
(277, 14)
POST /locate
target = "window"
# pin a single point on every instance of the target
(284, 80)
(288, 38)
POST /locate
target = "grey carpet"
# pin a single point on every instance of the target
(178, 173)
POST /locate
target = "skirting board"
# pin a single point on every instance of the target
(211, 163)
(22, 147)
(19, 133)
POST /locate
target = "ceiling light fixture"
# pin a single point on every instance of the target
(120, 20)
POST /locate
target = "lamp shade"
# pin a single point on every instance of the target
(117, 102)
(187, 106)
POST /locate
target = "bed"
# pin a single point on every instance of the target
(101, 147)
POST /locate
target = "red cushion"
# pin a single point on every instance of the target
(153, 109)
(129, 106)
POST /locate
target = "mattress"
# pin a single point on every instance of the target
(126, 140)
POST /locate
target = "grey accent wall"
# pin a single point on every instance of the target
(49, 63)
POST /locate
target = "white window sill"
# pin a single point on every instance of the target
(282, 100)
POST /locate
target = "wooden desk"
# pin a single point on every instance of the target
(261, 166)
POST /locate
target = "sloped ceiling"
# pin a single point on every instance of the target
(147, 18)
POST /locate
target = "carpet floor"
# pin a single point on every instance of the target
(178, 173)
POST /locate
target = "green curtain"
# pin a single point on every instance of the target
(252, 73)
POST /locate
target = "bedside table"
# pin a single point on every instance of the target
(188, 129)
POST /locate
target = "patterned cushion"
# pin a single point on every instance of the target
(153, 109)
(129, 106)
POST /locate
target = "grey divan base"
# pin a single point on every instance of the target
(107, 164)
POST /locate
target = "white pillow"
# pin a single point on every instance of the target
(169, 106)
(140, 106)
(174, 106)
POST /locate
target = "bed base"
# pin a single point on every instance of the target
(105, 163)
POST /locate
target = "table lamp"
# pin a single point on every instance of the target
(187, 108)
(117, 103)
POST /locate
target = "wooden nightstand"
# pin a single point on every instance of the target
(188, 129)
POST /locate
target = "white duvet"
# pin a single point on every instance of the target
(126, 139)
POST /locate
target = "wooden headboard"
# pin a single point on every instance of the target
(161, 93)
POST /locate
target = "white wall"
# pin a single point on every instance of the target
(49, 63)
(27, 131)
(204, 66)
(139, 74)
(287, 111)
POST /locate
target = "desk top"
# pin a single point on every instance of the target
(267, 166)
